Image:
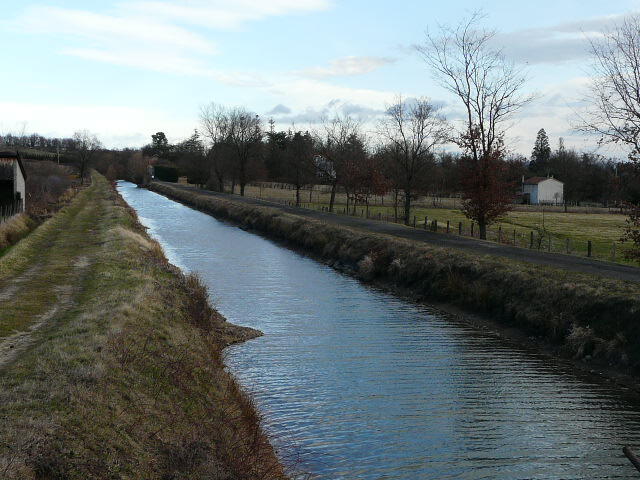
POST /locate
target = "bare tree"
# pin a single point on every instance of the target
(86, 144)
(245, 140)
(299, 155)
(215, 128)
(489, 87)
(413, 131)
(615, 87)
(335, 145)
(614, 114)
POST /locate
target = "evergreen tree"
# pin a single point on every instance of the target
(541, 152)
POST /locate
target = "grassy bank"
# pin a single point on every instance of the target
(110, 359)
(581, 316)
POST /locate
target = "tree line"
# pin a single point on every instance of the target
(404, 153)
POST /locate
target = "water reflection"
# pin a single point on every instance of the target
(355, 383)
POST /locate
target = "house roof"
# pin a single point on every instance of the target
(537, 180)
(14, 156)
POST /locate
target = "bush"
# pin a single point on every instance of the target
(166, 174)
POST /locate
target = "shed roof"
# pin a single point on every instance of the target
(537, 180)
(14, 156)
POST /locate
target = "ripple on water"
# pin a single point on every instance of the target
(354, 383)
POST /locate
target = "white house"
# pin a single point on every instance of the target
(13, 190)
(537, 190)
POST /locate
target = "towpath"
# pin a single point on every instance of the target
(472, 245)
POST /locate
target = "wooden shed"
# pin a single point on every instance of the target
(13, 181)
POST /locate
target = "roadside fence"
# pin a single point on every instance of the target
(533, 239)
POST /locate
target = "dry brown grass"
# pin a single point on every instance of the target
(556, 305)
(14, 229)
(127, 381)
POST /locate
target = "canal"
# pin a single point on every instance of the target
(354, 383)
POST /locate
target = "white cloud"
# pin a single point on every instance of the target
(116, 126)
(301, 92)
(223, 14)
(557, 43)
(152, 34)
(279, 109)
(111, 29)
(347, 66)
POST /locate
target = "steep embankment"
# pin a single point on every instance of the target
(110, 359)
(581, 316)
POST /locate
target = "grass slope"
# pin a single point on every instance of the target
(110, 359)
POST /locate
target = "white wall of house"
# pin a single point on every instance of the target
(19, 184)
(546, 191)
(550, 191)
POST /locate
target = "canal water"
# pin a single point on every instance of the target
(357, 384)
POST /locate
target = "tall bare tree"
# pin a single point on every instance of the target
(615, 87)
(245, 140)
(215, 128)
(298, 160)
(490, 88)
(86, 144)
(335, 146)
(413, 130)
(614, 114)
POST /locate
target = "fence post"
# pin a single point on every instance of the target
(589, 247)
(472, 229)
(531, 241)
(426, 222)
(448, 226)
(459, 228)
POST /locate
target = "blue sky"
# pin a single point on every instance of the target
(125, 69)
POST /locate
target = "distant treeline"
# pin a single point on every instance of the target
(588, 177)
(294, 157)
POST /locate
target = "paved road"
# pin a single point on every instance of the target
(565, 262)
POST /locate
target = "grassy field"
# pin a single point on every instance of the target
(110, 359)
(551, 229)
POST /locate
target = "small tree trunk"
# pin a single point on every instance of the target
(297, 195)
(407, 207)
(333, 196)
(395, 205)
(233, 186)
(482, 226)
(242, 185)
